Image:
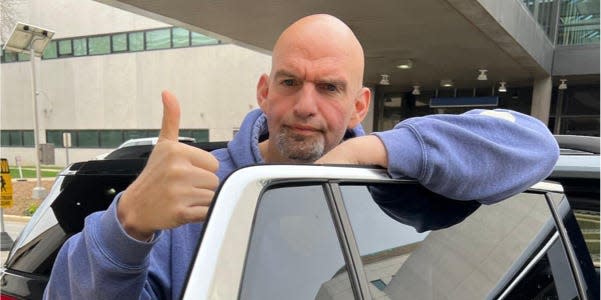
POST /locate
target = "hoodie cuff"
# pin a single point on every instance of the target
(116, 244)
(406, 154)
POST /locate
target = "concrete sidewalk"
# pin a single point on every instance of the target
(15, 218)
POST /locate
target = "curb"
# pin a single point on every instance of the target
(15, 218)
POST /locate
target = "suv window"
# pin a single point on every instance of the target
(293, 247)
(468, 260)
(549, 277)
(417, 246)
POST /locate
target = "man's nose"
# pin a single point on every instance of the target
(306, 102)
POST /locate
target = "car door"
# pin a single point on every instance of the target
(316, 232)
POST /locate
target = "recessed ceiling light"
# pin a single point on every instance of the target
(405, 64)
(446, 83)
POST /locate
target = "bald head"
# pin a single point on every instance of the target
(319, 37)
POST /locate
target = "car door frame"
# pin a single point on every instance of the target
(218, 267)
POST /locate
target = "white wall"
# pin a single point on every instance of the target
(215, 86)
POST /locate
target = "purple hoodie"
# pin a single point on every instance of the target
(481, 155)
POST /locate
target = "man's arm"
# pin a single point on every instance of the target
(102, 262)
(112, 256)
(480, 155)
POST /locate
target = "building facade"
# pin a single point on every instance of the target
(101, 77)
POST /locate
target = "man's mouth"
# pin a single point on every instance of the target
(303, 129)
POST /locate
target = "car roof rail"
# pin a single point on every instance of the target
(579, 142)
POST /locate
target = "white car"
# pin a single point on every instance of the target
(143, 141)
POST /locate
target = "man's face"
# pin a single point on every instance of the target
(310, 102)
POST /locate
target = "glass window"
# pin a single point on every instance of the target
(23, 56)
(15, 138)
(578, 23)
(550, 278)
(580, 126)
(28, 140)
(200, 39)
(294, 251)
(65, 48)
(111, 138)
(422, 246)
(158, 39)
(80, 47)
(119, 42)
(582, 100)
(379, 284)
(4, 139)
(56, 137)
(133, 134)
(10, 56)
(136, 41)
(181, 37)
(99, 45)
(87, 139)
(50, 51)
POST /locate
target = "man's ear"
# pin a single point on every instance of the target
(361, 107)
(263, 91)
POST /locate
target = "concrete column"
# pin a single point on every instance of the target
(541, 98)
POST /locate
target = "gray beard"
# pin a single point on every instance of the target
(299, 148)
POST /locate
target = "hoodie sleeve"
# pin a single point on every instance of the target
(103, 262)
(483, 155)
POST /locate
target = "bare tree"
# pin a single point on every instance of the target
(10, 13)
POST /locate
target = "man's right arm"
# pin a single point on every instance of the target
(103, 262)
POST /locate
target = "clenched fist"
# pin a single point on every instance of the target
(176, 186)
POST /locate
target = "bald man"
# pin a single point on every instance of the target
(311, 106)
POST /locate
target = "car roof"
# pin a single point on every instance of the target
(572, 144)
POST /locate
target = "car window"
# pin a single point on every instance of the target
(467, 257)
(549, 277)
(294, 251)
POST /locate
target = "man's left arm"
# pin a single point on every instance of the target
(484, 155)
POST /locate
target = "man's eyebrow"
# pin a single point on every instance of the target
(337, 82)
(282, 73)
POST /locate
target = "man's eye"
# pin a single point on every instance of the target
(329, 87)
(288, 82)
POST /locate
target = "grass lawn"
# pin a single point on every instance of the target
(29, 171)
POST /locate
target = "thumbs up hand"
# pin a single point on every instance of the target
(176, 186)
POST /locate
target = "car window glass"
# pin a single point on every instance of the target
(467, 253)
(550, 278)
(294, 250)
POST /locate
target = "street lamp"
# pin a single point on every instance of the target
(28, 38)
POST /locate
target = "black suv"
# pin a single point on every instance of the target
(322, 232)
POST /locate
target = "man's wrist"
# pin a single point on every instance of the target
(125, 219)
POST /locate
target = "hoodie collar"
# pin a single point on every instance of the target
(244, 148)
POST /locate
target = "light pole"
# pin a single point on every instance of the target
(31, 39)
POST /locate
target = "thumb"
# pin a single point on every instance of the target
(171, 115)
